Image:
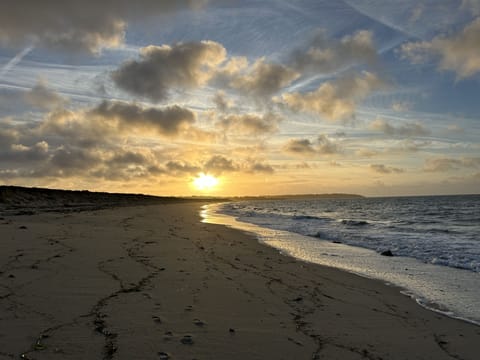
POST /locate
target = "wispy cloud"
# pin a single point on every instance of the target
(15, 60)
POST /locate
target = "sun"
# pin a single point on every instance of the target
(205, 182)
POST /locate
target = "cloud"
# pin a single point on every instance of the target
(300, 147)
(471, 5)
(335, 100)
(75, 128)
(304, 147)
(249, 124)
(74, 26)
(257, 167)
(179, 167)
(221, 102)
(160, 68)
(383, 169)
(263, 78)
(326, 146)
(401, 106)
(66, 160)
(106, 141)
(459, 53)
(128, 157)
(366, 153)
(43, 97)
(16, 153)
(326, 56)
(404, 130)
(448, 164)
(167, 121)
(219, 164)
(123, 164)
(66, 145)
(417, 13)
(8, 136)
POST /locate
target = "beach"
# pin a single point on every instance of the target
(154, 282)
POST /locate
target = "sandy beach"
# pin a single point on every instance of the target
(153, 282)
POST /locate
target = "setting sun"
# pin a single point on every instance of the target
(205, 182)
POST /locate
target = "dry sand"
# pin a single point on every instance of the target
(153, 282)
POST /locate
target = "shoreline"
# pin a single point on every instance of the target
(145, 281)
(433, 287)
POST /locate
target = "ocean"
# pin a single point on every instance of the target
(434, 240)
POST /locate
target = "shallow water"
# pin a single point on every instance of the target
(448, 289)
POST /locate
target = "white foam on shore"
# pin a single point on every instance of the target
(454, 292)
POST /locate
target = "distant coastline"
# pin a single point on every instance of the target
(45, 197)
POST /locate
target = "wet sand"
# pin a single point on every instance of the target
(153, 282)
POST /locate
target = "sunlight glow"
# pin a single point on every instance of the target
(205, 182)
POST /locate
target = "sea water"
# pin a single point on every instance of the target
(435, 241)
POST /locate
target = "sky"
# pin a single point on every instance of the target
(373, 97)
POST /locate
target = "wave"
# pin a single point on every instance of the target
(355, 222)
(400, 225)
(308, 217)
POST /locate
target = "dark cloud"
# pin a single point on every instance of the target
(127, 165)
(73, 25)
(323, 55)
(7, 138)
(161, 68)
(68, 160)
(127, 158)
(15, 154)
(383, 169)
(263, 78)
(300, 147)
(180, 167)
(168, 121)
(91, 143)
(405, 130)
(219, 164)
(40, 161)
(305, 147)
(74, 128)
